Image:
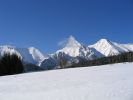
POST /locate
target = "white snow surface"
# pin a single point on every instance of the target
(109, 82)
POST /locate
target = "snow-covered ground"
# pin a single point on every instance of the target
(110, 82)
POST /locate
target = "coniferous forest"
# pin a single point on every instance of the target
(124, 57)
(10, 64)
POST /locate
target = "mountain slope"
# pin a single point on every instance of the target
(109, 48)
(73, 52)
(110, 82)
(28, 55)
(74, 49)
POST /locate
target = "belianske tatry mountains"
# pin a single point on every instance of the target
(72, 52)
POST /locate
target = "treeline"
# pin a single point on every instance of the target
(124, 57)
(10, 64)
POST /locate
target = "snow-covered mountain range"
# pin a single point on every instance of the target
(72, 52)
(29, 55)
(109, 48)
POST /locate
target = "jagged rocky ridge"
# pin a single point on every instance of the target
(72, 52)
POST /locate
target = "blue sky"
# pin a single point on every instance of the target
(44, 23)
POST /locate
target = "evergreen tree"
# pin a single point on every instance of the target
(124, 57)
(10, 64)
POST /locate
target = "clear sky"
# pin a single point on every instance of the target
(44, 23)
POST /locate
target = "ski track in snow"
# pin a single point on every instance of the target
(109, 82)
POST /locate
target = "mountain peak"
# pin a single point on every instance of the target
(71, 37)
(104, 40)
(72, 42)
(108, 48)
(74, 49)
